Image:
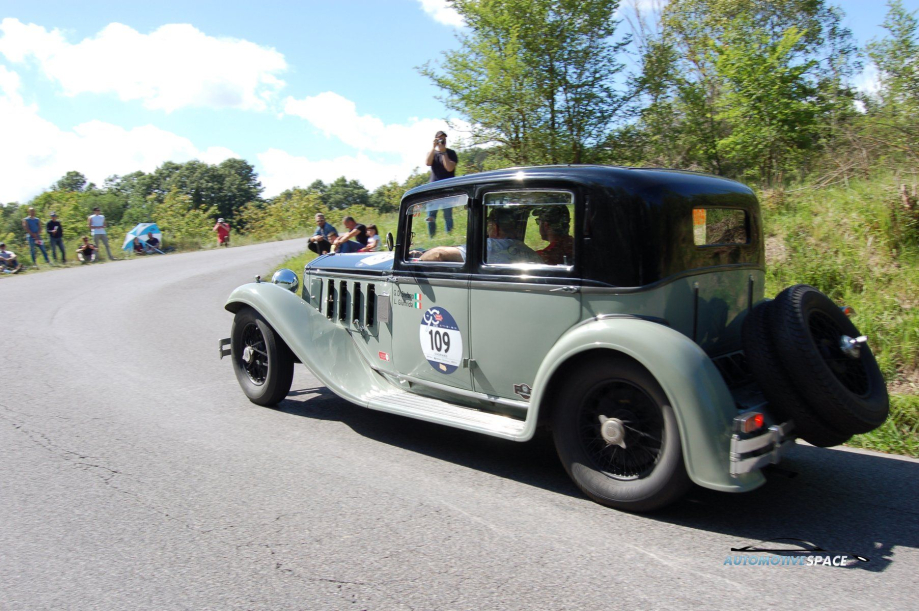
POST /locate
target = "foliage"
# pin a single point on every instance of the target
(537, 77)
(293, 209)
(748, 89)
(180, 220)
(892, 118)
(71, 181)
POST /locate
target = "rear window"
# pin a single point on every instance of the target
(719, 226)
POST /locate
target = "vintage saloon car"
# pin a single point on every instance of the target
(621, 307)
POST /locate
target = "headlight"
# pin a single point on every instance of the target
(286, 278)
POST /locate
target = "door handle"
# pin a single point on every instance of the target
(565, 289)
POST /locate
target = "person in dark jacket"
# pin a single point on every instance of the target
(443, 165)
(56, 235)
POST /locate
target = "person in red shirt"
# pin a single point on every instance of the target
(554, 224)
(223, 232)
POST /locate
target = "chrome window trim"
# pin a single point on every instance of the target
(408, 230)
(485, 265)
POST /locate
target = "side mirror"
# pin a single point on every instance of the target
(390, 242)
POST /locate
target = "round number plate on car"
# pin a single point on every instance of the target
(441, 340)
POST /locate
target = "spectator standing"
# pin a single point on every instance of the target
(8, 261)
(32, 225)
(443, 165)
(322, 239)
(56, 235)
(86, 252)
(223, 232)
(97, 227)
(345, 244)
(373, 239)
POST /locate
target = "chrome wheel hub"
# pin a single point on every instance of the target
(248, 355)
(852, 347)
(613, 431)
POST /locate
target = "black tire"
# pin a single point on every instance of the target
(649, 472)
(850, 392)
(269, 371)
(785, 403)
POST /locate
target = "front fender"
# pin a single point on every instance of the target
(701, 401)
(324, 347)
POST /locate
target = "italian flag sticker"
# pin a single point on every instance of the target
(416, 301)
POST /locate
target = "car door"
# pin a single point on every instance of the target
(429, 292)
(520, 304)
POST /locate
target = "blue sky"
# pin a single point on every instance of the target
(303, 90)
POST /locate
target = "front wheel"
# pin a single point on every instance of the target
(263, 363)
(617, 437)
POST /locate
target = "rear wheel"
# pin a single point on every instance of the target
(618, 438)
(263, 363)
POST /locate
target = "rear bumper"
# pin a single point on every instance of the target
(752, 452)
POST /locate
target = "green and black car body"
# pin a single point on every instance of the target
(641, 337)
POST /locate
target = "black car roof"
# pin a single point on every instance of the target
(631, 178)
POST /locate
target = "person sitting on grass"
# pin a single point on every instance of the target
(152, 242)
(373, 240)
(138, 247)
(345, 243)
(8, 261)
(86, 252)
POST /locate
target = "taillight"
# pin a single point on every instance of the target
(749, 422)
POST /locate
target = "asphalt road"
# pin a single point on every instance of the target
(135, 475)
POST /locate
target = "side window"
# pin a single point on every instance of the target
(529, 228)
(719, 226)
(437, 230)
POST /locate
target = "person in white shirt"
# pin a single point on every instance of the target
(373, 240)
(97, 227)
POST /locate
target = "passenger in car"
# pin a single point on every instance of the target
(504, 244)
(554, 224)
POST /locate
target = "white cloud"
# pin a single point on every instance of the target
(337, 117)
(869, 80)
(442, 12)
(36, 152)
(403, 145)
(280, 170)
(173, 67)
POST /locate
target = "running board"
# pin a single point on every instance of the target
(441, 412)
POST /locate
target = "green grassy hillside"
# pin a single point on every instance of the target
(857, 244)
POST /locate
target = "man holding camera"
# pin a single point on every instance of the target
(443, 165)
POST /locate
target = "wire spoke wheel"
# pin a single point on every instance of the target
(263, 363)
(617, 435)
(254, 357)
(642, 427)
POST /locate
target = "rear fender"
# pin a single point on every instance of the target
(701, 401)
(325, 348)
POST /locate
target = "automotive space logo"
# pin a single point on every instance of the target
(789, 552)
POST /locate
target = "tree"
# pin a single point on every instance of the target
(71, 181)
(724, 81)
(388, 197)
(892, 116)
(772, 108)
(537, 77)
(343, 193)
(181, 220)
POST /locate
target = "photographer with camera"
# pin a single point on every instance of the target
(443, 165)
